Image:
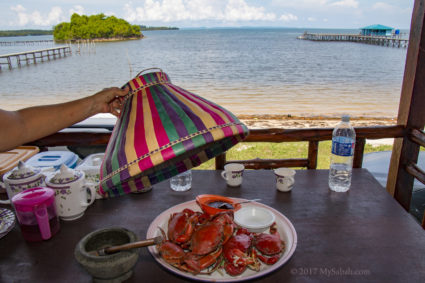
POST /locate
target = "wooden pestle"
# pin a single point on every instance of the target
(129, 246)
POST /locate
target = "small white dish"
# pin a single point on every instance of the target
(254, 218)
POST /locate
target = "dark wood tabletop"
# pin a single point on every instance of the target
(361, 235)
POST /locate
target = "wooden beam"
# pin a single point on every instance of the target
(73, 139)
(418, 137)
(416, 172)
(320, 134)
(271, 163)
(410, 114)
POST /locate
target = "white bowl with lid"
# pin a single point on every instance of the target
(255, 219)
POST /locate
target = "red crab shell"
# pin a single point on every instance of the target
(181, 226)
(206, 238)
(237, 253)
(270, 245)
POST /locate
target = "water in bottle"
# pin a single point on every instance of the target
(343, 141)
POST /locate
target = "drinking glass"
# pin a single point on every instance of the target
(182, 182)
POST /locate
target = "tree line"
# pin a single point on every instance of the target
(95, 27)
(24, 32)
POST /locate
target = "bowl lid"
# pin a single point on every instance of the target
(65, 175)
(22, 171)
(26, 200)
(53, 159)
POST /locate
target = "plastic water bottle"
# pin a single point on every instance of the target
(343, 141)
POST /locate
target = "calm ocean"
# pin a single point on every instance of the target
(247, 70)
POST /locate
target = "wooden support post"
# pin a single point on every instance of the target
(313, 148)
(358, 152)
(9, 62)
(410, 115)
(220, 161)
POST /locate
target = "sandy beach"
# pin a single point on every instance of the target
(291, 122)
(279, 121)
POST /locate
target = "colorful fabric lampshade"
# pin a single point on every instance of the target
(163, 130)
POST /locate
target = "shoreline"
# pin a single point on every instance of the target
(297, 122)
(289, 121)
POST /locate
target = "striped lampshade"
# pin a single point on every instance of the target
(163, 130)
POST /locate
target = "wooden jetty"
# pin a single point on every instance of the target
(367, 39)
(25, 42)
(33, 56)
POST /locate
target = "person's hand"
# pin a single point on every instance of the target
(109, 100)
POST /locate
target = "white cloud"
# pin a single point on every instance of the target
(239, 10)
(77, 9)
(300, 4)
(311, 19)
(22, 16)
(346, 4)
(288, 17)
(196, 10)
(36, 18)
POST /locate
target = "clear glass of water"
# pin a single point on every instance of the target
(182, 182)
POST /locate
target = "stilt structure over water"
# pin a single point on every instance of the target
(26, 42)
(33, 56)
(368, 39)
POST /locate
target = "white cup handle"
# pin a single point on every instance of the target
(224, 175)
(4, 201)
(92, 188)
(291, 180)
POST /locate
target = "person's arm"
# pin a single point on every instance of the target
(29, 124)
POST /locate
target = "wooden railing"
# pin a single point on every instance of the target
(418, 137)
(87, 137)
(313, 137)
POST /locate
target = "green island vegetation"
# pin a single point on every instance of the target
(146, 28)
(24, 32)
(96, 27)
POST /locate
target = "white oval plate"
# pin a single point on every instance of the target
(284, 226)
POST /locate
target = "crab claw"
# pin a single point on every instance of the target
(196, 263)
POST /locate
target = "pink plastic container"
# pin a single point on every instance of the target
(36, 213)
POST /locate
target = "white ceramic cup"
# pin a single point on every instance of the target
(71, 202)
(73, 194)
(233, 174)
(284, 179)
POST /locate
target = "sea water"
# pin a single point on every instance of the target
(246, 70)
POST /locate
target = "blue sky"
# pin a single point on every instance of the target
(213, 13)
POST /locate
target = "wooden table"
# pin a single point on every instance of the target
(361, 235)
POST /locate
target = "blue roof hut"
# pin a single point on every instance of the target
(377, 30)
